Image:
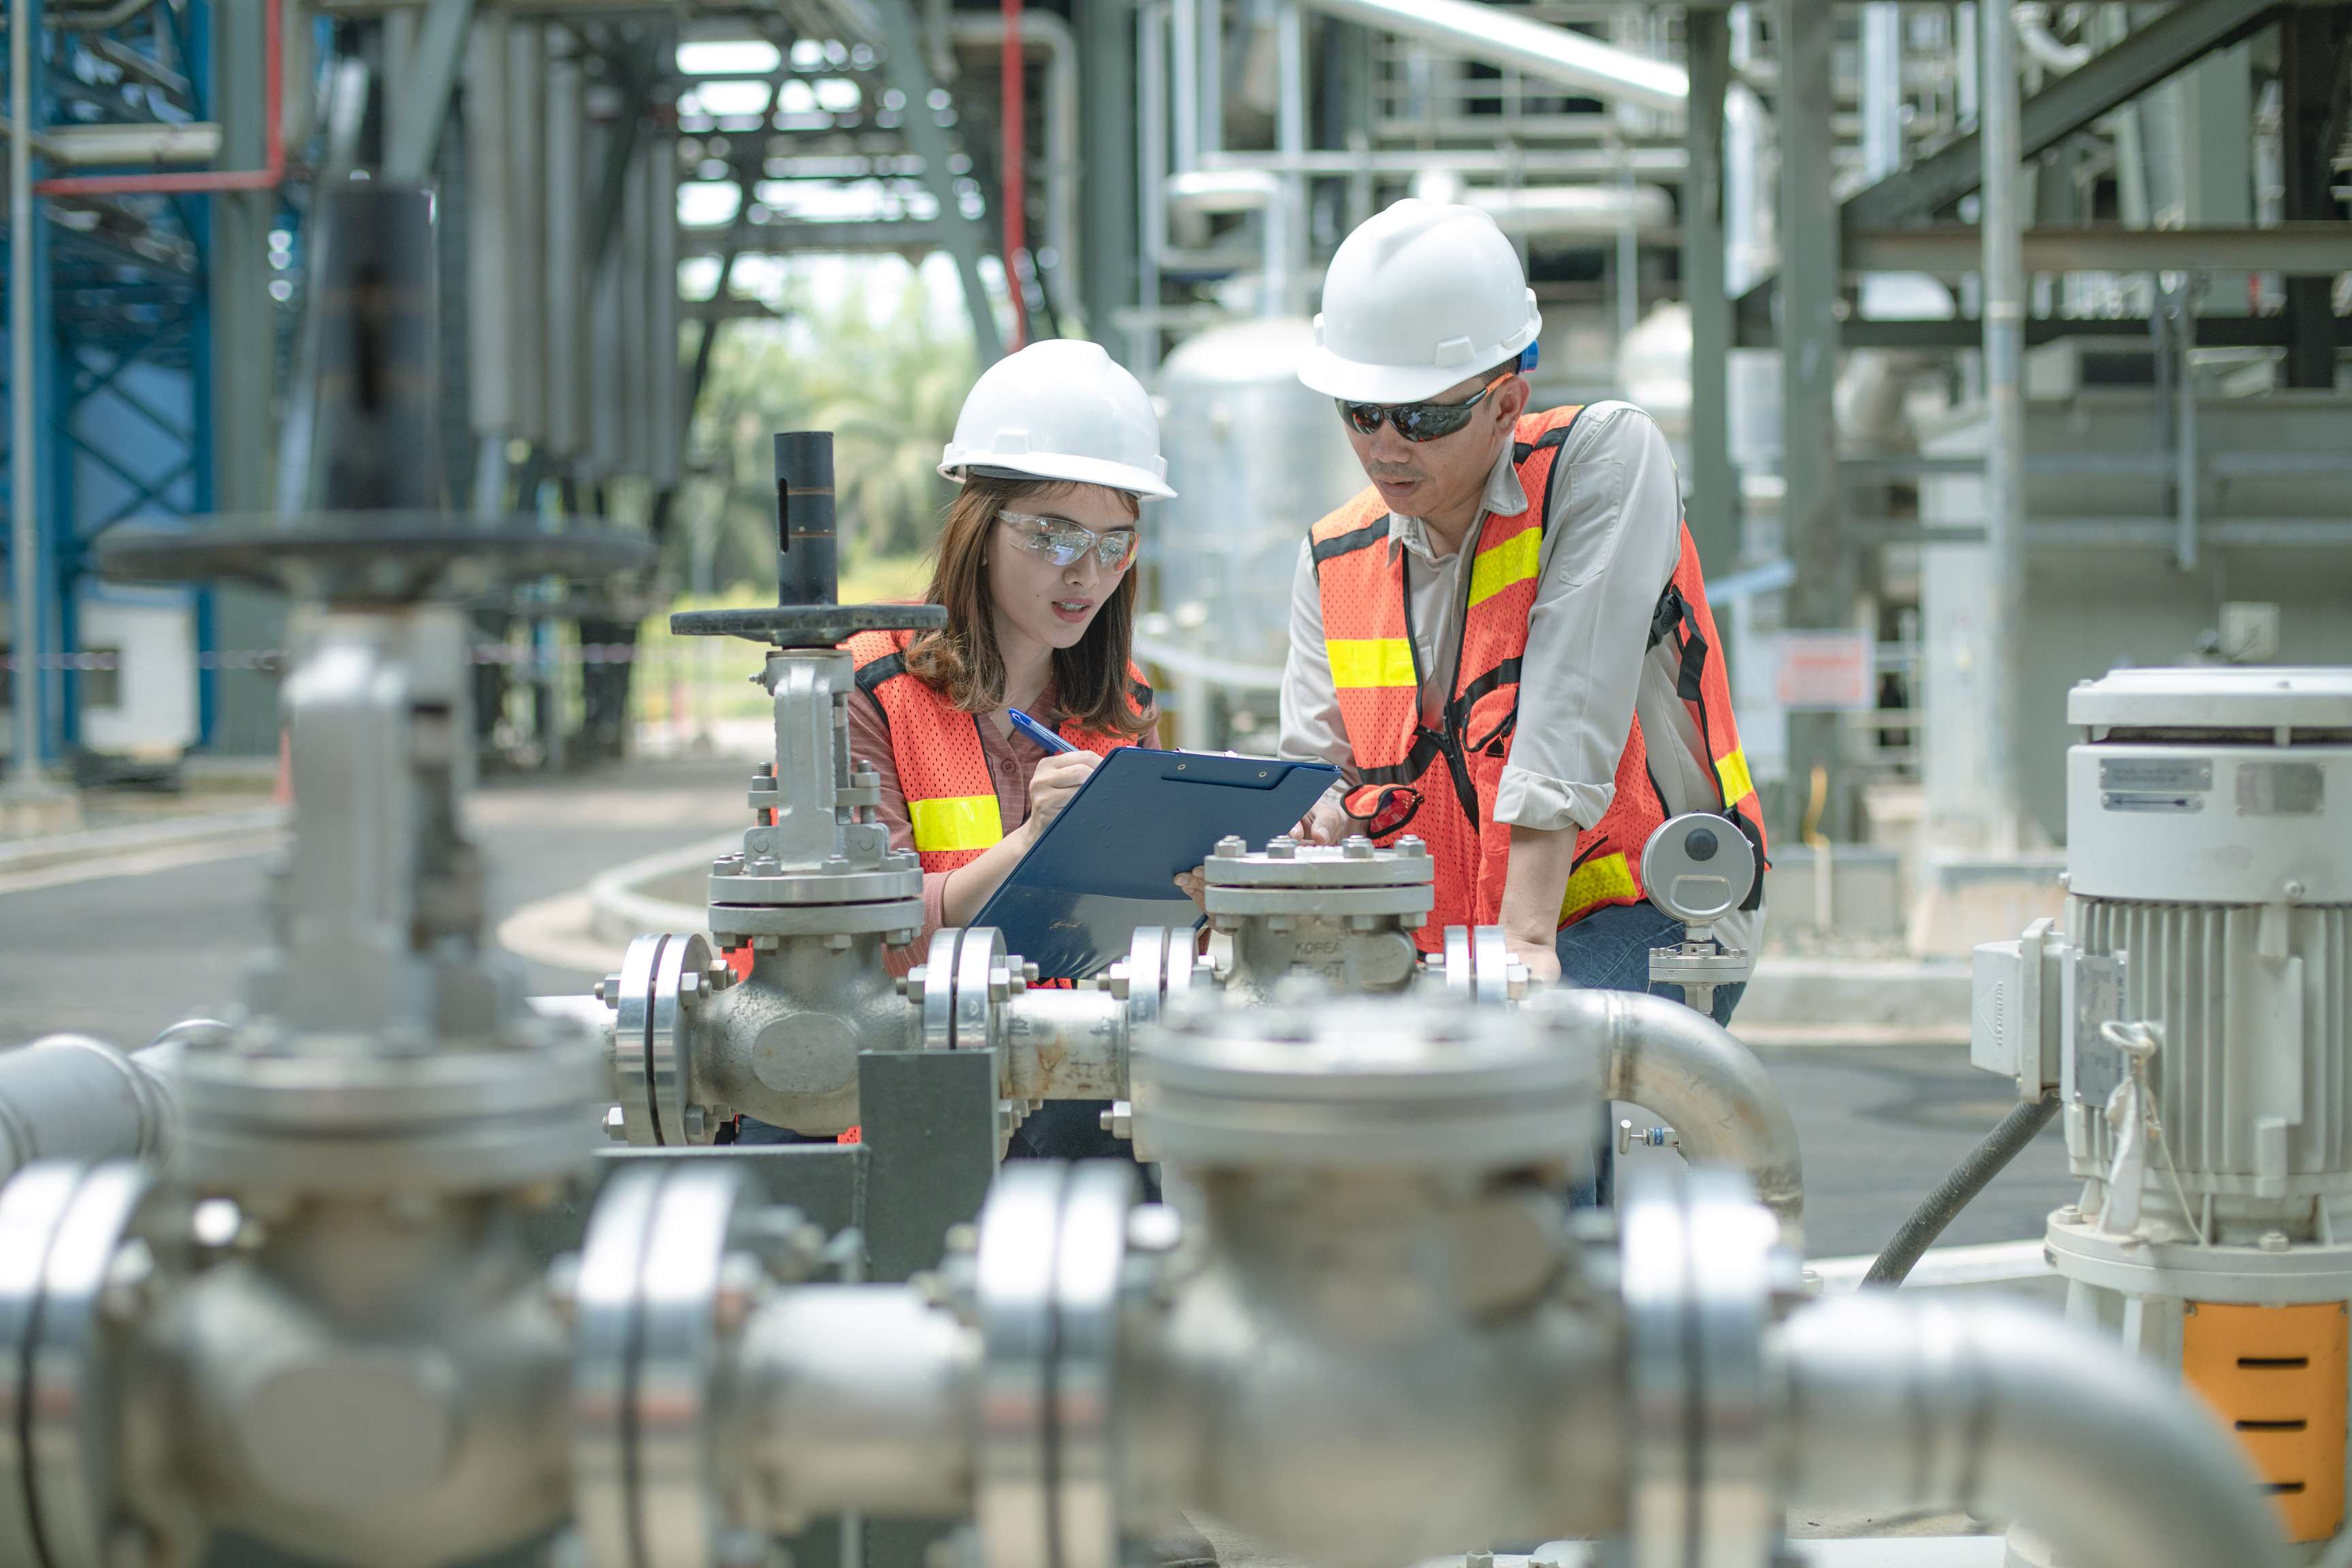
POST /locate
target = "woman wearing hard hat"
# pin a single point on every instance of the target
(1505, 640)
(1056, 449)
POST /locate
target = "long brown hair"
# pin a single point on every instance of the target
(962, 663)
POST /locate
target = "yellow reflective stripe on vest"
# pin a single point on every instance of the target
(1736, 784)
(955, 822)
(1513, 561)
(1598, 880)
(1359, 662)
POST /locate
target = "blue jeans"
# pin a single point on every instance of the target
(1609, 949)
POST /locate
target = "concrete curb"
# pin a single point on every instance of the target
(141, 837)
(1865, 1000)
(617, 911)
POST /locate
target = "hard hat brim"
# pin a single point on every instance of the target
(1055, 467)
(1352, 380)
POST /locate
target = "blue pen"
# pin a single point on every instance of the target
(1036, 731)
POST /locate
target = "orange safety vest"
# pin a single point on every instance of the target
(942, 771)
(1441, 784)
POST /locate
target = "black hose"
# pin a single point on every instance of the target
(1955, 1192)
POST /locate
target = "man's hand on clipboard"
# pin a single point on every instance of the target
(1327, 824)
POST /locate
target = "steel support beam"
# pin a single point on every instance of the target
(25, 254)
(1712, 505)
(2311, 60)
(930, 1126)
(1951, 250)
(244, 364)
(1107, 279)
(2186, 33)
(2114, 334)
(911, 75)
(1823, 595)
(430, 77)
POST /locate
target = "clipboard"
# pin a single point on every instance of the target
(1107, 863)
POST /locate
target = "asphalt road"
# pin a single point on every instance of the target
(122, 956)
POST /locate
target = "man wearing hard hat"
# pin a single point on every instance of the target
(1505, 641)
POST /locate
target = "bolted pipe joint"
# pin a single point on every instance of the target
(1366, 1335)
(1343, 913)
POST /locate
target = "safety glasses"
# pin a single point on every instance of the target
(1418, 421)
(1066, 543)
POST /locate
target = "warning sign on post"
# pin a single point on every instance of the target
(1827, 671)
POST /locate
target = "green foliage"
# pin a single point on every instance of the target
(881, 376)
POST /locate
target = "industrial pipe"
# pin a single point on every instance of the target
(2004, 252)
(273, 161)
(1898, 1404)
(1492, 35)
(856, 1399)
(1686, 1067)
(1046, 31)
(1013, 82)
(1588, 212)
(2032, 20)
(1064, 1045)
(74, 1097)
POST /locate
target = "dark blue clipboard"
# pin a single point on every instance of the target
(1107, 863)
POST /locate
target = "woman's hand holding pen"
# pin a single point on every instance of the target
(1058, 778)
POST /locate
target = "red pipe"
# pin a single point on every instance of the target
(266, 178)
(1014, 82)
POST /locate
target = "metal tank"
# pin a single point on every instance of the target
(1256, 458)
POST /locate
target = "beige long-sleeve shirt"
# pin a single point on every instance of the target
(1610, 546)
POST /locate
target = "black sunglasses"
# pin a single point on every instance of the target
(1418, 421)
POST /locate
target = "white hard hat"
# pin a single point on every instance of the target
(1419, 298)
(1060, 409)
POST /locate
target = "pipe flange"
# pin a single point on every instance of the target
(1479, 968)
(1161, 966)
(731, 921)
(1286, 878)
(899, 878)
(965, 973)
(1696, 1273)
(659, 1298)
(63, 1257)
(1053, 1249)
(666, 979)
(255, 1120)
(1353, 1083)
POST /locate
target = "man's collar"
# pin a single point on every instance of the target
(1503, 497)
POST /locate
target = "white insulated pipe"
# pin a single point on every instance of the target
(1898, 1404)
(2003, 250)
(1591, 211)
(1498, 38)
(72, 1097)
